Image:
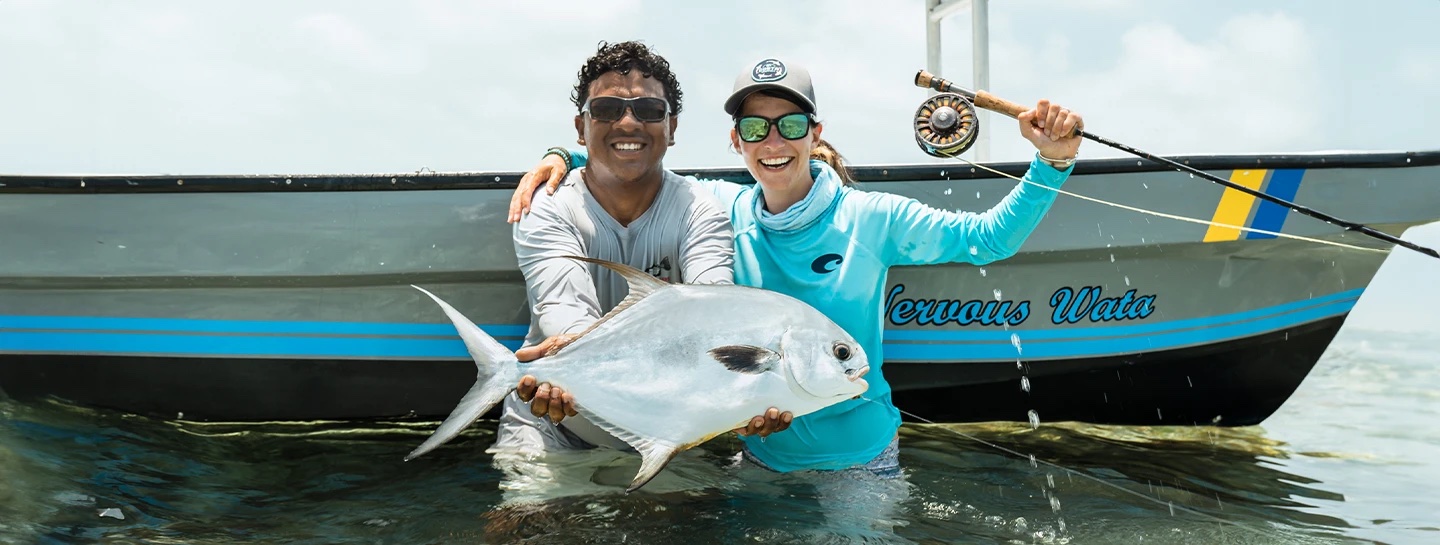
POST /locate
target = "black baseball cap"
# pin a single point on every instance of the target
(773, 75)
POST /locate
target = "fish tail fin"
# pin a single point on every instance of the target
(499, 371)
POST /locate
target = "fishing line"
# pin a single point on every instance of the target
(1033, 460)
(1175, 217)
(945, 127)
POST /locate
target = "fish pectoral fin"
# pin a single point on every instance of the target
(742, 358)
(653, 458)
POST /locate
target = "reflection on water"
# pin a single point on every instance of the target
(72, 474)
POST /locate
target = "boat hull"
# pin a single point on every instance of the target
(288, 298)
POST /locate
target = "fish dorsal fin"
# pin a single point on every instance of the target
(641, 286)
(743, 358)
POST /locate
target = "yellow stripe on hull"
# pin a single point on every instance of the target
(1235, 206)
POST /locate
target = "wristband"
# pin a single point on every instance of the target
(564, 155)
(1057, 164)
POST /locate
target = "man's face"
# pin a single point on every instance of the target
(627, 149)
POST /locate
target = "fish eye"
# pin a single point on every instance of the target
(842, 351)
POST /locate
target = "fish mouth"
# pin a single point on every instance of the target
(856, 374)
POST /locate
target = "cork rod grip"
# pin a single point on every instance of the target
(997, 104)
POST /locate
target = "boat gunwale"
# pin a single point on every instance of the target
(877, 173)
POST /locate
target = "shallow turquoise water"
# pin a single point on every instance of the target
(1350, 458)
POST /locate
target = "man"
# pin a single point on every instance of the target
(622, 207)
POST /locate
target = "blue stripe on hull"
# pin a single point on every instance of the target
(158, 337)
(180, 325)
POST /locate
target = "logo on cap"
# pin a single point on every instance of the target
(768, 70)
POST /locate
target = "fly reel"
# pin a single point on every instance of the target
(946, 125)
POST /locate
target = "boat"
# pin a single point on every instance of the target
(287, 297)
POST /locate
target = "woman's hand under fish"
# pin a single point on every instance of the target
(773, 421)
(545, 399)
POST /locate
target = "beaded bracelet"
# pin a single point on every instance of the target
(564, 155)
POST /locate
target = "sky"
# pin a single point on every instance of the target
(366, 86)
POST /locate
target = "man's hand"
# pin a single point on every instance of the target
(1051, 128)
(773, 421)
(545, 399)
(549, 172)
(547, 347)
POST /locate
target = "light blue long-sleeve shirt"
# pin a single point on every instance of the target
(869, 232)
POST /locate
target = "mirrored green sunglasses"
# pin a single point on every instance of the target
(753, 128)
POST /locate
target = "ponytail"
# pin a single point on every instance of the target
(825, 152)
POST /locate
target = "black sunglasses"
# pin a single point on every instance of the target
(753, 128)
(610, 109)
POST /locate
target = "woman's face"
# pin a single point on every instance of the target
(774, 161)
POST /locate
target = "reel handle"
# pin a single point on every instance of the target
(980, 98)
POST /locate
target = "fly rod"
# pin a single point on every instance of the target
(946, 126)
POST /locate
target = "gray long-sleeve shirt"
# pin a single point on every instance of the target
(685, 236)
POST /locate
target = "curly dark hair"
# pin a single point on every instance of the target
(624, 57)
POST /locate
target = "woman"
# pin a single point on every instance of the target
(803, 230)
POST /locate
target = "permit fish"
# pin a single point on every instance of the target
(674, 365)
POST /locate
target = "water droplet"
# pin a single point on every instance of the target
(1147, 186)
(497, 178)
(1142, 240)
(382, 262)
(997, 295)
(1287, 333)
(1015, 340)
(1140, 163)
(1019, 366)
(287, 181)
(432, 245)
(111, 512)
(1061, 523)
(122, 246)
(1127, 281)
(1025, 384)
(1172, 507)
(1050, 479)
(1188, 381)
(1034, 424)
(1192, 175)
(1033, 463)
(1112, 258)
(1158, 415)
(942, 173)
(982, 271)
(1407, 159)
(82, 183)
(1106, 395)
(974, 250)
(1055, 504)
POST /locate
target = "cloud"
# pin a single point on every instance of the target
(1247, 86)
(1419, 67)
